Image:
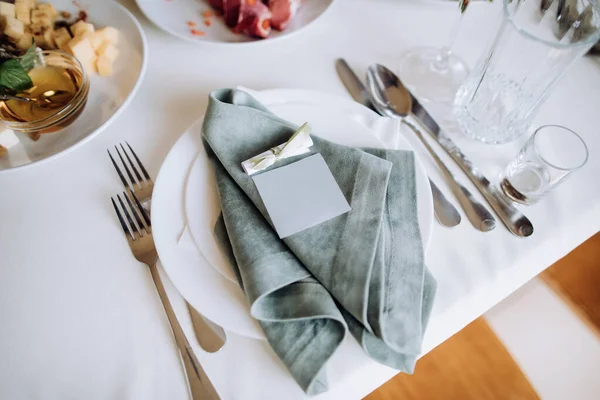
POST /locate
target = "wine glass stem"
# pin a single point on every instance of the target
(441, 63)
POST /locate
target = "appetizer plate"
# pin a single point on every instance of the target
(108, 96)
(184, 19)
(185, 204)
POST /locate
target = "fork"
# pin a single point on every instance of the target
(141, 187)
(210, 335)
(140, 240)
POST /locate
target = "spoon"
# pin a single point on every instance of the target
(444, 211)
(391, 98)
(48, 99)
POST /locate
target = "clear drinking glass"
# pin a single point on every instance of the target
(550, 155)
(536, 42)
(435, 73)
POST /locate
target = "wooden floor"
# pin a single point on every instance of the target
(576, 279)
(474, 365)
(471, 365)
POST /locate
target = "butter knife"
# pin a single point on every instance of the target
(516, 222)
(445, 212)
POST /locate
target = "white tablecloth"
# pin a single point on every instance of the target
(79, 317)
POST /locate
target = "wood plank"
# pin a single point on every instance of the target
(471, 365)
(576, 279)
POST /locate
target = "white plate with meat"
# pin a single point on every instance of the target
(233, 21)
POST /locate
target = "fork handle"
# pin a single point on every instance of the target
(200, 385)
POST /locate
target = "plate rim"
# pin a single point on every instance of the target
(256, 42)
(117, 113)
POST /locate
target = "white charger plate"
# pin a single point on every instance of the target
(108, 96)
(185, 193)
(172, 16)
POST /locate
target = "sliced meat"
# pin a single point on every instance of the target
(231, 10)
(283, 11)
(254, 19)
(216, 4)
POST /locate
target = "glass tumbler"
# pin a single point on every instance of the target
(535, 44)
(550, 155)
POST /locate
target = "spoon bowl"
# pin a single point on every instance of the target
(389, 95)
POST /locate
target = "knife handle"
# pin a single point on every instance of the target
(516, 222)
(479, 216)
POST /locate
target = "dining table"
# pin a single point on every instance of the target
(80, 317)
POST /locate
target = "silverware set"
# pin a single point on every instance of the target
(387, 95)
(132, 208)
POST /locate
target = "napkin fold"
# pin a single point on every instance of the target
(362, 271)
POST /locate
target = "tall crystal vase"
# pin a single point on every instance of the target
(534, 46)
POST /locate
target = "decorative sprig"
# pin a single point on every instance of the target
(13, 72)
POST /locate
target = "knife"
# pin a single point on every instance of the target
(353, 84)
(445, 212)
(515, 221)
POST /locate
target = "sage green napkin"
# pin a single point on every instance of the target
(362, 271)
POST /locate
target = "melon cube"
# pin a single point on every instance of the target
(108, 50)
(49, 38)
(7, 9)
(39, 39)
(13, 28)
(104, 66)
(48, 9)
(61, 37)
(22, 6)
(81, 27)
(109, 34)
(96, 39)
(41, 18)
(25, 41)
(24, 16)
(82, 49)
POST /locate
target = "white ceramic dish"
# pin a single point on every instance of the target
(108, 96)
(185, 194)
(173, 16)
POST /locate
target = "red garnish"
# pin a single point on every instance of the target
(191, 24)
(207, 22)
(266, 24)
(196, 32)
(207, 14)
(82, 16)
(251, 2)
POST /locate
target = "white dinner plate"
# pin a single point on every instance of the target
(108, 96)
(173, 16)
(185, 193)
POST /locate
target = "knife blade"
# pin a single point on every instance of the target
(444, 211)
(516, 222)
(353, 84)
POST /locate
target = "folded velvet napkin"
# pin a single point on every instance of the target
(362, 271)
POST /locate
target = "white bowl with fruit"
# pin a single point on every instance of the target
(107, 41)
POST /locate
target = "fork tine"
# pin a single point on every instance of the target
(128, 216)
(125, 183)
(137, 174)
(133, 181)
(139, 162)
(121, 220)
(135, 214)
(142, 210)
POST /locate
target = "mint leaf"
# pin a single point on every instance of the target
(28, 59)
(14, 77)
